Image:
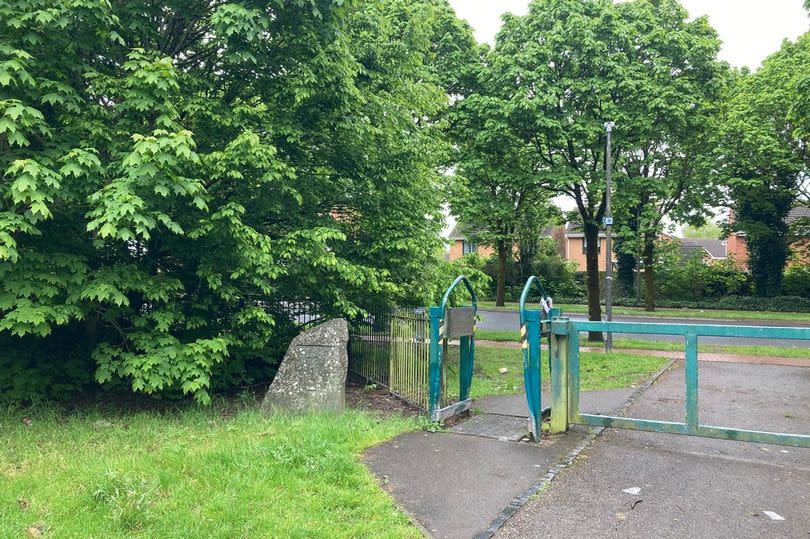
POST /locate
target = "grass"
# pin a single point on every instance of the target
(668, 313)
(597, 371)
(194, 473)
(643, 344)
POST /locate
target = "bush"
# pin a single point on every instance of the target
(445, 272)
(796, 281)
(697, 280)
(558, 276)
(789, 304)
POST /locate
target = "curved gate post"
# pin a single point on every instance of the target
(531, 321)
(442, 328)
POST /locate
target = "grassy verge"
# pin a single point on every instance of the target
(194, 473)
(642, 344)
(597, 371)
(668, 313)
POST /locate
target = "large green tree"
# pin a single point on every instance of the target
(495, 193)
(174, 174)
(568, 66)
(763, 154)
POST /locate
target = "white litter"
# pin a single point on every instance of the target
(635, 491)
(784, 451)
(773, 516)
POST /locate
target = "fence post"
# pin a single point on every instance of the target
(559, 375)
(435, 373)
(530, 343)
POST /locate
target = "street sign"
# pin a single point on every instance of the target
(607, 221)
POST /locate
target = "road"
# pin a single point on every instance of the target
(506, 320)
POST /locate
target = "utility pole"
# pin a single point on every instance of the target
(608, 221)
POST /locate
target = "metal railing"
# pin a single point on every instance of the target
(390, 348)
(565, 380)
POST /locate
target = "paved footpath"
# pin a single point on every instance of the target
(473, 481)
(689, 487)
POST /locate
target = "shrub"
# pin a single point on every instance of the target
(796, 281)
(558, 276)
(698, 280)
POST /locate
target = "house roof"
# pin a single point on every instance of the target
(456, 233)
(798, 212)
(714, 248)
(573, 229)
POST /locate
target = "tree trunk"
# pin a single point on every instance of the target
(649, 272)
(502, 253)
(592, 267)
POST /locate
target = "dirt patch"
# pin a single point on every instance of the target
(377, 399)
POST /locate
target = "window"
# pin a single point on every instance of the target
(585, 246)
(468, 248)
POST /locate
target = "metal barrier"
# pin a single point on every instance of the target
(390, 348)
(534, 323)
(565, 379)
(407, 351)
(448, 323)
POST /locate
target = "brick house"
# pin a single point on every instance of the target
(460, 246)
(798, 219)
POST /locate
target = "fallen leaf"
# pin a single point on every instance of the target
(23, 503)
(621, 516)
(27, 421)
(33, 531)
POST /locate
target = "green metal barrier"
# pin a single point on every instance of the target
(565, 379)
(447, 323)
(534, 323)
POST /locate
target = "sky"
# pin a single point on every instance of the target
(750, 29)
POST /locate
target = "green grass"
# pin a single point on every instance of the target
(597, 371)
(668, 313)
(742, 350)
(642, 344)
(194, 473)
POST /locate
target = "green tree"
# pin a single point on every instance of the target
(710, 231)
(493, 192)
(174, 174)
(762, 151)
(568, 66)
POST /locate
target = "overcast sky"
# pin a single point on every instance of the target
(750, 29)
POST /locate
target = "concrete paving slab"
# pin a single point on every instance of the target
(690, 487)
(455, 485)
(507, 428)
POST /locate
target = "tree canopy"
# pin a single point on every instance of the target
(568, 66)
(175, 174)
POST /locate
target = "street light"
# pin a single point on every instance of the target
(608, 222)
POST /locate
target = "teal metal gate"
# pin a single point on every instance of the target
(449, 323)
(565, 379)
(534, 324)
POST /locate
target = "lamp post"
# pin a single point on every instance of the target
(608, 222)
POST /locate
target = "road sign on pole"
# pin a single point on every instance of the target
(608, 222)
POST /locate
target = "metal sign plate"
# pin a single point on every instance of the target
(460, 322)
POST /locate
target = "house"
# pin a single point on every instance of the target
(798, 219)
(710, 250)
(570, 241)
(572, 245)
(460, 246)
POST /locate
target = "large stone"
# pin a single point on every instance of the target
(312, 375)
